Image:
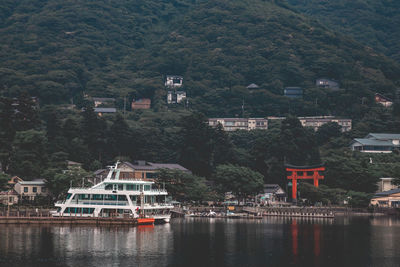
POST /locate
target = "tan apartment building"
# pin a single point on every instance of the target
(29, 190)
(233, 124)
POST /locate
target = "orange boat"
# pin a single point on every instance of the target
(145, 221)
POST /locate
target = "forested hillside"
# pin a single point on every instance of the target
(58, 50)
(372, 22)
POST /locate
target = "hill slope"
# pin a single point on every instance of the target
(58, 49)
(372, 22)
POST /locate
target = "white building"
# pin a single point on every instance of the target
(233, 124)
(376, 143)
(173, 81)
(175, 97)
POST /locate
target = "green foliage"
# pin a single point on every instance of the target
(60, 49)
(183, 186)
(371, 22)
(4, 178)
(241, 181)
(59, 181)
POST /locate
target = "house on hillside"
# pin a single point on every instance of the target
(173, 81)
(102, 101)
(293, 92)
(376, 143)
(252, 86)
(142, 103)
(233, 124)
(327, 83)
(317, 122)
(102, 111)
(383, 100)
(175, 97)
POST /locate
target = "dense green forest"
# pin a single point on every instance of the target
(371, 22)
(60, 51)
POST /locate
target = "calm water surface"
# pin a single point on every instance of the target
(208, 242)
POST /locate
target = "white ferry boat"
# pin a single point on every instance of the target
(115, 197)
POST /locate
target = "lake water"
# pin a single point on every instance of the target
(208, 242)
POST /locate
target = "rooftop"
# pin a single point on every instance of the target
(388, 193)
(384, 136)
(372, 142)
(34, 182)
(105, 110)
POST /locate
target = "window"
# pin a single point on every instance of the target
(26, 189)
(147, 188)
(43, 189)
(120, 187)
(131, 187)
(34, 189)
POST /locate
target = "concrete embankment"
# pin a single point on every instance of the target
(68, 221)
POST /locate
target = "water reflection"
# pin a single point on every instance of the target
(272, 241)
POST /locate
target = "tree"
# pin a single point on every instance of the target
(183, 186)
(7, 131)
(196, 144)
(4, 178)
(223, 148)
(327, 131)
(241, 181)
(26, 116)
(59, 181)
(29, 156)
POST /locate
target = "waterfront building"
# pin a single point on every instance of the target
(119, 195)
(272, 193)
(387, 199)
(376, 143)
(29, 190)
(233, 124)
(9, 197)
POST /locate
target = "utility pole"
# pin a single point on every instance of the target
(124, 104)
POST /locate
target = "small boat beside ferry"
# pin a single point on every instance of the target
(115, 197)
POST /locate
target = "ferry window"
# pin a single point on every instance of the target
(110, 197)
(109, 187)
(69, 196)
(67, 210)
(120, 187)
(130, 187)
(147, 188)
(133, 198)
(97, 197)
(121, 198)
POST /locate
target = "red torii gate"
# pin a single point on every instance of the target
(301, 172)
